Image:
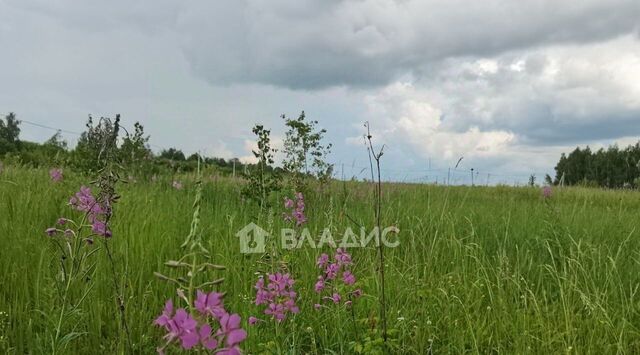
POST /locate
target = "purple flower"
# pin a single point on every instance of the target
(322, 260)
(55, 174)
(84, 201)
(338, 270)
(348, 278)
(547, 191)
(185, 327)
(207, 341)
(166, 315)
(336, 297)
(288, 203)
(319, 285)
(253, 320)
(342, 257)
(192, 332)
(230, 329)
(51, 231)
(100, 228)
(332, 271)
(297, 210)
(278, 296)
(210, 304)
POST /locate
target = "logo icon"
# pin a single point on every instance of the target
(252, 239)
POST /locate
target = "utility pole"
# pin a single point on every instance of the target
(471, 176)
(449, 177)
(488, 177)
(234, 168)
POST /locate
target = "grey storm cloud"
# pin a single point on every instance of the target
(315, 44)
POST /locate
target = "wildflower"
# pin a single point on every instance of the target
(207, 341)
(184, 327)
(84, 201)
(100, 228)
(253, 320)
(56, 175)
(547, 192)
(278, 296)
(297, 210)
(191, 332)
(177, 185)
(348, 278)
(165, 317)
(342, 257)
(332, 270)
(319, 285)
(230, 329)
(332, 274)
(288, 203)
(51, 231)
(322, 260)
(62, 221)
(210, 304)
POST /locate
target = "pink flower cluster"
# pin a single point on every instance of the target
(195, 331)
(296, 210)
(56, 175)
(547, 191)
(96, 212)
(333, 272)
(278, 296)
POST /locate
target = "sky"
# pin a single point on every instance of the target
(508, 85)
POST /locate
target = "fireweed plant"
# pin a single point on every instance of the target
(277, 297)
(295, 210)
(56, 174)
(74, 239)
(337, 283)
(203, 323)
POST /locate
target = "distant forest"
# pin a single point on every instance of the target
(611, 168)
(134, 152)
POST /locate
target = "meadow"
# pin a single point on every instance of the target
(483, 270)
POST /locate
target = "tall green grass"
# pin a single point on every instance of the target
(478, 270)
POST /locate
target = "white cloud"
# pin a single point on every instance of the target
(408, 115)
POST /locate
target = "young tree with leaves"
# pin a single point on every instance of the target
(262, 178)
(305, 155)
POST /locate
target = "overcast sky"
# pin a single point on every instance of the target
(507, 84)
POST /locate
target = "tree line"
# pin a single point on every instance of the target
(611, 168)
(134, 152)
(305, 156)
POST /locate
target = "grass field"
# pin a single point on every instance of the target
(479, 270)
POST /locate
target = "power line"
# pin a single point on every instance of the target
(49, 127)
(65, 131)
